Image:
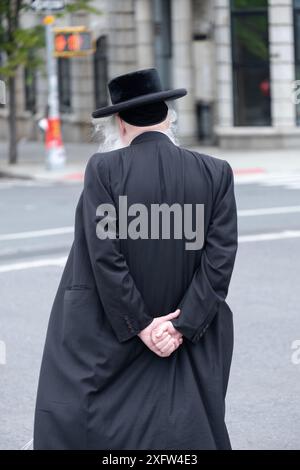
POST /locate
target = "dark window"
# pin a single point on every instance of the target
(249, 4)
(30, 90)
(297, 52)
(100, 72)
(163, 40)
(64, 85)
(251, 63)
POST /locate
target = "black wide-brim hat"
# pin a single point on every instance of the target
(135, 89)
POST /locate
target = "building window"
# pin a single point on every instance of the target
(250, 62)
(30, 90)
(297, 51)
(163, 40)
(64, 85)
(100, 72)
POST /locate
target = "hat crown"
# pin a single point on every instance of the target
(132, 85)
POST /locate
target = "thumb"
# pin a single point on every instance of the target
(162, 322)
(171, 315)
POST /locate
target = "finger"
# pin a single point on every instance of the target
(173, 345)
(170, 346)
(176, 344)
(160, 342)
(164, 321)
(168, 326)
(177, 335)
(164, 342)
(159, 352)
(172, 315)
(160, 330)
(172, 330)
(157, 335)
(169, 351)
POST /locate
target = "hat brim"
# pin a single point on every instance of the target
(140, 100)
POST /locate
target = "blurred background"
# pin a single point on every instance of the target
(240, 61)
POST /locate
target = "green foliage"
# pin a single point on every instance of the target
(20, 45)
(250, 33)
(19, 49)
(249, 4)
(81, 5)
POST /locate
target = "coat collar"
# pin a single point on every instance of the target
(149, 136)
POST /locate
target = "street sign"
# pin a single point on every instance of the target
(73, 41)
(48, 5)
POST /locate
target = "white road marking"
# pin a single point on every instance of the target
(60, 262)
(70, 229)
(33, 264)
(268, 211)
(13, 183)
(261, 237)
(36, 233)
(28, 445)
(288, 180)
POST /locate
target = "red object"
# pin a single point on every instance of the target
(60, 43)
(248, 171)
(53, 133)
(74, 42)
(265, 87)
(70, 43)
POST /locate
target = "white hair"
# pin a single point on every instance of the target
(106, 132)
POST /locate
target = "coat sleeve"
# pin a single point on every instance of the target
(121, 300)
(211, 279)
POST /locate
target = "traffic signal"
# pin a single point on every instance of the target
(73, 41)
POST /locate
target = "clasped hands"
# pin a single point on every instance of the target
(161, 336)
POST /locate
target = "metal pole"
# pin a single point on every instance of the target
(2, 93)
(53, 102)
(56, 156)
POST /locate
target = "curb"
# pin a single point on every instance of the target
(8, 174)
(78, 176)
(248, 171)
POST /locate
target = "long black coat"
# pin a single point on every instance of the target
(100, 387)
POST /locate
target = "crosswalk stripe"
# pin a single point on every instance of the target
(287, 180)
(268, 211)
(36, 233)
(33, 264)
(70, 229)
(260, 237)
(60, 262)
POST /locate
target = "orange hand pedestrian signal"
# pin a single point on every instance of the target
(60, 43)
(73, 41)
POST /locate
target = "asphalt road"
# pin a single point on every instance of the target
(263, 410)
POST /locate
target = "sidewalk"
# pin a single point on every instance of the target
(247, 164)
(31, 162)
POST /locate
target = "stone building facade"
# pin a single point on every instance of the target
(237, 58)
